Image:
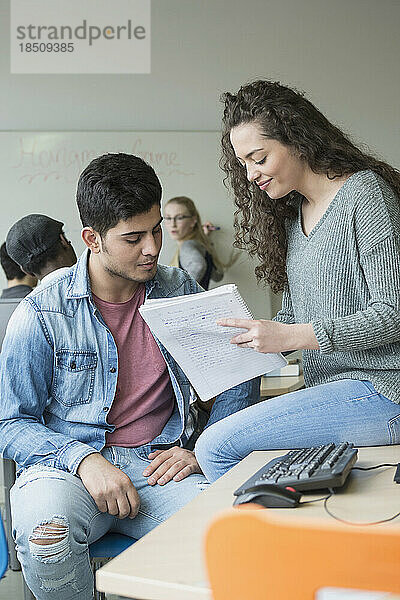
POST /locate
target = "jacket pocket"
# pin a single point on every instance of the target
(74, 376)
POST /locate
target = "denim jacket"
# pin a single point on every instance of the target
(59, 369)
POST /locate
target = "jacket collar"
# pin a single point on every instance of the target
(79, 286)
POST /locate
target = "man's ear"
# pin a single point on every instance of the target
(27, 273)
(64, 242)
(91, 239)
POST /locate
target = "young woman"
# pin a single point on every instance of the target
(195, 252)
(323, 218)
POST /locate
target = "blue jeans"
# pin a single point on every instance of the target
(43, 495)
(346, 410)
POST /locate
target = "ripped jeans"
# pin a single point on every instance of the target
(48, 502)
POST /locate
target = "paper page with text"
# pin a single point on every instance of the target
(186, 326)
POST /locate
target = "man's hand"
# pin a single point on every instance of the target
(175, 463)
(109, 487)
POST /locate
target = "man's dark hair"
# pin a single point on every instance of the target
(10, 268)
(38, 263)
(115, 187)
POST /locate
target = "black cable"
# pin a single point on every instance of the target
(356, 524)
(374, 467)
(360, 524)
(316, 500)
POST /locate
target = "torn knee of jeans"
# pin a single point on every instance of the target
(49, 541)
(52, 585)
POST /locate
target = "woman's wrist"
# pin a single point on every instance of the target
(301, 336)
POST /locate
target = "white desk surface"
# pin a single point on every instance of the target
(168, 563)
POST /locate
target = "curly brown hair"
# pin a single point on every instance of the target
(285, 115)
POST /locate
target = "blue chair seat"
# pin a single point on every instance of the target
(110, 545)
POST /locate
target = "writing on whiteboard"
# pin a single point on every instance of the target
(42, 158)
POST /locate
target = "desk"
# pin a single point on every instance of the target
(168, 564)
(276, 386)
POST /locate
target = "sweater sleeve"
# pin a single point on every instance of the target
(376, 225)
(285, 315)
(192, 259)
(379, 323)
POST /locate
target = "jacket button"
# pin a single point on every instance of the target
(73, 365)
(105, 408)
(112, 370)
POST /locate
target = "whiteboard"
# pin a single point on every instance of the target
(39, 172)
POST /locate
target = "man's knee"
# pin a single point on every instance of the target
(50, 540)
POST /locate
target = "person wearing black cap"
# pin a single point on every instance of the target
(38, 245)
(19, 284)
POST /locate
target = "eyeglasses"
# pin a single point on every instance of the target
(178, 218)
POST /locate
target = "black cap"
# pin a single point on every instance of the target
(32, 236)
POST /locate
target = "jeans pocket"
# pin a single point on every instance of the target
(142, 453)
(119, 457)
(394, 430)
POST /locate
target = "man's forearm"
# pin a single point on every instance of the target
(28, 442)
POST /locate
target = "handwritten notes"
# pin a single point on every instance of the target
(186, 326)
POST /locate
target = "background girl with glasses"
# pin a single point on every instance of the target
(195, 252)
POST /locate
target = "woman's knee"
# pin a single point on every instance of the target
(210, 447)
(204, 445)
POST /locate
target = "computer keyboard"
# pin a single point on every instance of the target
(313, 468)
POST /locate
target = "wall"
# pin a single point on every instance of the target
(344, 54)
(40, 171)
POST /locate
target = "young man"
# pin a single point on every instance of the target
(19, 284)
(95, 411)
(39, 246)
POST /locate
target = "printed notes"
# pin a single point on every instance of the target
(186, 326)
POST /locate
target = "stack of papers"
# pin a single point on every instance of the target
(186, 326)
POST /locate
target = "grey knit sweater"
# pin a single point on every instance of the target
(192, 258)
(344, 278)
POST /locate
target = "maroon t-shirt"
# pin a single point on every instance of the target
(144, 399)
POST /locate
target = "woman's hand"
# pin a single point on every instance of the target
(272, 336)
(208, 227)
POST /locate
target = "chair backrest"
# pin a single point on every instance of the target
(7, 307)
(3, 550)
(253, 555)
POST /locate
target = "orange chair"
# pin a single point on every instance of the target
(253, 555)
